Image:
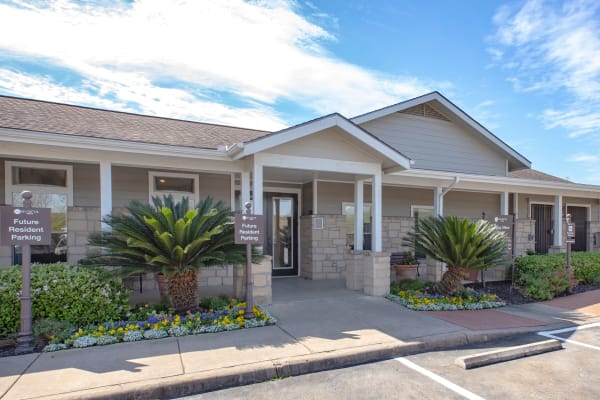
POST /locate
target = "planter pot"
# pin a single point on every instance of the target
(405, 271)
(470, 274)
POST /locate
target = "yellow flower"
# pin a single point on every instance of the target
(120, 329)
(112, 332)
(155, 326)
(165, 322)
(100, 328)
(80, 331)
(52, 337)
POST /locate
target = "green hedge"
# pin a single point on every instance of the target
(544, 276)
(64, 292)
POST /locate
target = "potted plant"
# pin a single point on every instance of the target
(405, 264)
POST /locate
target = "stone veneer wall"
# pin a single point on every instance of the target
(394, 229)
(593, 227)
(81, 221)
(323, 250)
(261, 277)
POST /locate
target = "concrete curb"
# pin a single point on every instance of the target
(188, 384)
(511, 353)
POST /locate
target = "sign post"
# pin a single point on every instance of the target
(506, 225)
(249, 230)
(25, 226)
(570, 240)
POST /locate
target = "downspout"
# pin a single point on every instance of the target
(441, 194)
(449, 188)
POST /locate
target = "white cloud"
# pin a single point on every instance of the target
(556, 50)
(260, 52)
(584, 158)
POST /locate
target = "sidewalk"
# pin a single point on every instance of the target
(320, 326)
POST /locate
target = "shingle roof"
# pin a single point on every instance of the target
(43, 116)
(536, 175)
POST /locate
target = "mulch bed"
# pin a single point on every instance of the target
(503, 290)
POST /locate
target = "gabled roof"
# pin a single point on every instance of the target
(48, 117)
(516, 160)
(536, 175)
(317, 125)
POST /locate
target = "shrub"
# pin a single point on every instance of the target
(63, 292)
(51, 329)
(544, 276)
(587, 267)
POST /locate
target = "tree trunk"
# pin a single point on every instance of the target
(451, 281)
(183, 290)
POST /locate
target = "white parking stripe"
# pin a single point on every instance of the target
(452, 386)
(551, 334)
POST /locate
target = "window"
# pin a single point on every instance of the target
(174, 184)
(348, 211)
(420, 212)
(52, 187)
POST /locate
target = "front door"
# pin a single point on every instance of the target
(282, 241)
(579, 217)
(544, 231)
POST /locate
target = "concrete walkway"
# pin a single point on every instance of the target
(320, 326)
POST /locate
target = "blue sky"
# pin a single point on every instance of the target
(528, 70)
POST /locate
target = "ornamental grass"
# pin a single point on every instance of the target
(467, 299)
(156, 325)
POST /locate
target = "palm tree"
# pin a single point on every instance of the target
(461, 244)
(171, 239)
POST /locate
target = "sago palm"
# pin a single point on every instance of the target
(170, 238)
(460, 244)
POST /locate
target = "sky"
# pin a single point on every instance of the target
(527, 70)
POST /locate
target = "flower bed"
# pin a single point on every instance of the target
(156, 325)
(468, 299)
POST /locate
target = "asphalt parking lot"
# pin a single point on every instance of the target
(570, 373)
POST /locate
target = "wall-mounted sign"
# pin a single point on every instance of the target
(22, 226)
(249, 229)
(504, 223)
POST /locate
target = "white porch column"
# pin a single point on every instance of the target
(315, 198)
(376, 215)
(358, 214)
(438, 201)
(504, 203)
(257, 188)
(558, 220)
(105, 190)
(516, 205)
(244, 188)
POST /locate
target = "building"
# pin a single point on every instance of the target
(420, 157)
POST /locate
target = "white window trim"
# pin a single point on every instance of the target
(413, 207)
(10, 187)
(152, 192)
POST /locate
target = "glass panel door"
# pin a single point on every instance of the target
(283, 227)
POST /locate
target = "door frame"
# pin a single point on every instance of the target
(588, 218)
(298, 193)
(544, 203)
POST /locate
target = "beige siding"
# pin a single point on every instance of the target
(218, 186)
(438, 145)
(471, 204)
(397, 201)
(331, 143)
(129, 184)
(524, 200)
(86, 185)
(330, 196)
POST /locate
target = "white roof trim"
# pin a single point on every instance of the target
(499, 180)
(121, 146)
(309, 128)
(451, 107)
